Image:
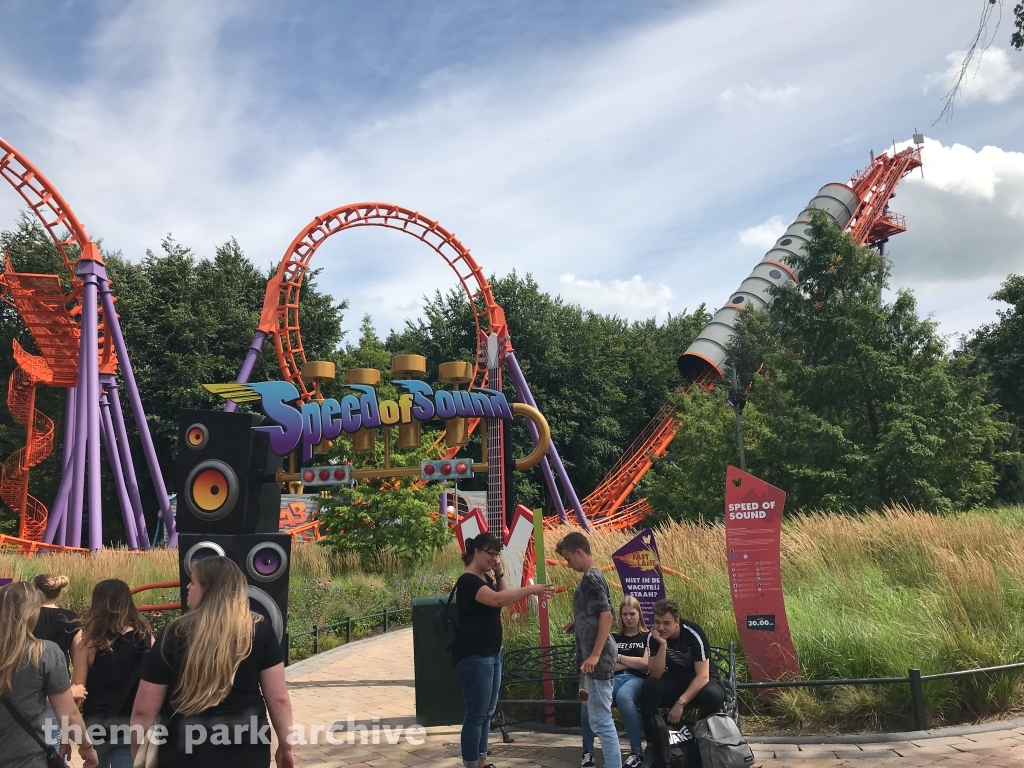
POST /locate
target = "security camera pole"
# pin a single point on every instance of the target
(737, 400)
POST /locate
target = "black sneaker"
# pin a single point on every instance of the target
(634, 760)
(588, 760)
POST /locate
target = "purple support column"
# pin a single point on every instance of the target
(57, 524)
(78, 461)
(128, 464)
(247, 365)
(523, 391)
(545, 466)
(88, 359)
(114, 329)
(110, 443)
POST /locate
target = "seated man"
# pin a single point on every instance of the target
(680, 673)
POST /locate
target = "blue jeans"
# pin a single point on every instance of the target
(114, 755)
(625, 694)
(480, 677)
(597, 717)
(51, 727)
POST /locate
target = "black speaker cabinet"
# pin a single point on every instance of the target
(222, 468)
(264, 559)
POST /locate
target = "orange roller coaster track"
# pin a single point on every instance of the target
(280, 316)
(77, 333)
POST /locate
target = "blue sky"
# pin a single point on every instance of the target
(637, 158)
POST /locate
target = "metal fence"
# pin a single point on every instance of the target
(388, 620)
(914, 679)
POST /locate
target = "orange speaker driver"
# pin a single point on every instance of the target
(197, 436)
(211, 490)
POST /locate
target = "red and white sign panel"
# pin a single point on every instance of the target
(753, 528)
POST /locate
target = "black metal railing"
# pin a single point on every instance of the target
(389, 620)
(914, 679)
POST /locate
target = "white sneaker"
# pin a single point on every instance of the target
(633, 761)
(588, 760)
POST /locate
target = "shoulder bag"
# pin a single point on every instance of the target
(53, 760)
(146, 757)
(445, 625)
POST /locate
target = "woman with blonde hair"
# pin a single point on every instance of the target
(61, 625)
(108, 664)
(212, 676)
(33, 671)
(635, 648)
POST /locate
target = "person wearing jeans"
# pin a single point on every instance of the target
(634, 648)
(625, 690)
(476, 654)
(596, 651)
(480, 678)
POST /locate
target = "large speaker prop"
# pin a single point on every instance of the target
(263, 558)
(225, 474)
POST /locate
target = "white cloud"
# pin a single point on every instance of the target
(763, 236)
(992, 79)
(749, 94)
(596, 158)
(633, 297)
(964, 221)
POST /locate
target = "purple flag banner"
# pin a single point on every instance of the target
(639, 567)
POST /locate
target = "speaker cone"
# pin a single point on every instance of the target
(211, 490)
(199, 552)
(197, 436)
(263, 604)
(266, 561)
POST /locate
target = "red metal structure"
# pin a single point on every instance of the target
(75, 327)
(871, 224)
(280, 315)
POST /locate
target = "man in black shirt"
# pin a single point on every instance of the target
(681, 673)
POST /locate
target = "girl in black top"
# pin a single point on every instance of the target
(108, 663)
(214, 673)
(60, 626)
(476, 653)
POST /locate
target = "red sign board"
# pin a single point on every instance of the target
(753, 527)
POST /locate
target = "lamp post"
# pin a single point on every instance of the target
(737, 400)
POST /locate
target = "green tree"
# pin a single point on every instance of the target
(688, 482)
(862, 404)
(186, 321)
(598, 379)
(1017, 38)
(398, 516)
(997, 351)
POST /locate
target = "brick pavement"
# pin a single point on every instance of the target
(374, 678)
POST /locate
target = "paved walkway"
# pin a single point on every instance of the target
(374, 679)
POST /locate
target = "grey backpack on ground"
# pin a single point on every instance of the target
(721, 744)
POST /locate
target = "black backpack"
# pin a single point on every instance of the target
(445, 625)
(678, 747)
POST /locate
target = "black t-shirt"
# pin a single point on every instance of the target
(58, 625)
(243, 703)
(636, 645)
(108, 675)
(479, 631)
(691, 645)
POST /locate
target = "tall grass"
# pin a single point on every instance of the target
(136, 568)
(868, 595)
